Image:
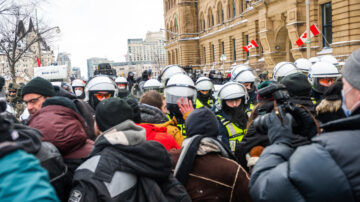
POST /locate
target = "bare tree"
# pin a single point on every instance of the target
(16, 24)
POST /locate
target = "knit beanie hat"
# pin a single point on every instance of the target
(202, 121)
(39, 86)
(351, 69)
(111, 112)
(297, 84)
(133, 103)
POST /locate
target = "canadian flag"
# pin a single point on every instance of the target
(313, 32)
(38, 61)
(251, 45)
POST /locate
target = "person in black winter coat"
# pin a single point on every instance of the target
(123, 166)
(325, 170)
(252, 145)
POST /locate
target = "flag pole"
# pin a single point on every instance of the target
(308, 39)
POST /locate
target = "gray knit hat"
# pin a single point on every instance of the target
(351, 69)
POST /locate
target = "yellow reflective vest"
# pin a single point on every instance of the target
(199, 104)
(236, 134)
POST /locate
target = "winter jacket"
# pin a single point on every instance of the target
(64, 128)
(173, 130)
(22, 179)
(253, 138)
(87, 113)
(325, 170)
(125, 167)
(151, 114)
(50, 158)
(159, 134)
(214, 177)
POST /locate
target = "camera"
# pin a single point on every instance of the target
(282, 107)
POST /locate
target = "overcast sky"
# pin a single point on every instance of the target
(100, 28)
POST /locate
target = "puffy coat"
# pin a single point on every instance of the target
(23, 179)
(159, 134)
(325, 170)
(64, 128)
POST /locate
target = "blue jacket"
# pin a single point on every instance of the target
(23, 179)
(325, 170)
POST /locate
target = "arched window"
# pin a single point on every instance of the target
(233, 9)
(210, 18)
(176, 27)
(220, 13)
(202, 22)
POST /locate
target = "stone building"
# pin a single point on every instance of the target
(199, 32)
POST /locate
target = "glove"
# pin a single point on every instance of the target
(279, 132)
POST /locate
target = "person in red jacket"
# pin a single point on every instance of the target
(159, 134)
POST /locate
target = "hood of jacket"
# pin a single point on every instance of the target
(60, 126)
(151, 114)
(124, 148)
(29, 138)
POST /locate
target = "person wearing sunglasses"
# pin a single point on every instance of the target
(321, 76)
(35, 93)
(98, 89)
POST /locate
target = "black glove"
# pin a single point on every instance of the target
(279, 131)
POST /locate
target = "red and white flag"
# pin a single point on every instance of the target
(38, 61)
(313, 32)
(251, 45)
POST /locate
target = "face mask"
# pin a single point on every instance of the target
(78, 93)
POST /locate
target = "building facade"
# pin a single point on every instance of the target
(151, 50)
(199, 32)
(24, 68)
(92, 63)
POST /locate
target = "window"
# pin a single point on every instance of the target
(204, 55)
(233, 9)
(213, 53)
(246, 43)
(326, 17)
(222, 47)
(234, 49)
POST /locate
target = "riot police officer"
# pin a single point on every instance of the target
(99, 88)
(204, 87)
(232, 116)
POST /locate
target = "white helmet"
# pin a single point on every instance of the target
(180, 86)
(78, 83)
(238, 68)
(120, 80)
(322, 70)
(100, 83)
(233, 90)
(204, 83)
(303, 64)
(283, 69)
(245, 76)
(330, 59)
(169, 71)
(314, 60)
(152, 84)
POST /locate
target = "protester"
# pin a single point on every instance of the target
(138, 170)
(21, 176)
(152, 106)
(61, 124)
(326, 169)
(35, 93)
(205, 166)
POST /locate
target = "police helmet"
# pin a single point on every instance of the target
(238, 68)
(100, 83)
(314, 60)
(152, 84)
(180, 86)
(322, 70)
(303, 64)
(169, 71)
(283, 69)
(233, 90)
(330, 59)
(204, 83)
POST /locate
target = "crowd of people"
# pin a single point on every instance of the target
(175, 138)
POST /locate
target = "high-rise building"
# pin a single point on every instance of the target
(92, 63)
(64, 59)
(199, 32)
(150, 50)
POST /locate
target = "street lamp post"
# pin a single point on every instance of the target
(223, 59)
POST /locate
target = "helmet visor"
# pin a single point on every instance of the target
(175, 93)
